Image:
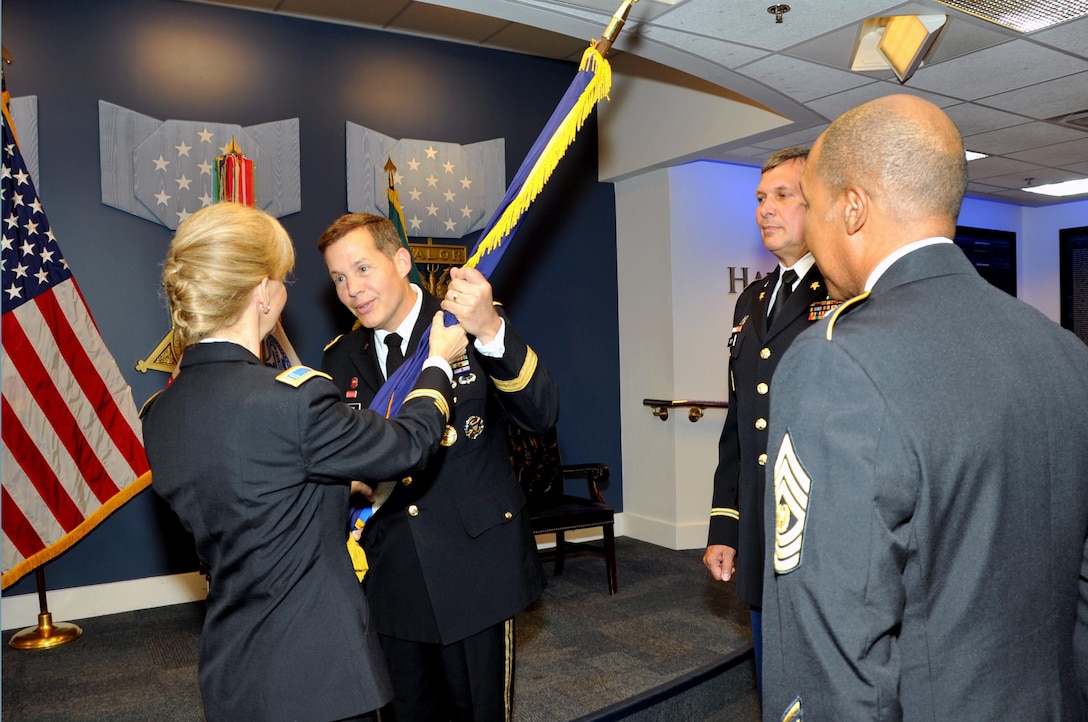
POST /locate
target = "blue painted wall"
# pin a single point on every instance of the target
(190, 61)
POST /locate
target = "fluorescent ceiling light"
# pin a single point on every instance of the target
(1024, 16)
(972, 155)
(899, 43)
(1068, 188)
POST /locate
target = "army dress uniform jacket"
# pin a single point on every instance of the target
(451, 551)
(927, 520)
(736, 518)
(258, 470)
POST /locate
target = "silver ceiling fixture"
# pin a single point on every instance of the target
(1025, 16)
(778, 11)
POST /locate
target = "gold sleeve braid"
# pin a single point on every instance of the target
(726, 512)
(435, 396)
(524, 376)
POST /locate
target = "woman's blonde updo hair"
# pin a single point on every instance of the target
(218, 255)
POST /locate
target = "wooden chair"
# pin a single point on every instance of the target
(552, 510)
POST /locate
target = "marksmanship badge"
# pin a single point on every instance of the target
(791, 492)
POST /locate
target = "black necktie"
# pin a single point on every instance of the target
(395, 357)
(785, 288)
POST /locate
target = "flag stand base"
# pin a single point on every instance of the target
(46, 634)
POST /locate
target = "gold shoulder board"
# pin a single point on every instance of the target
(298, 375)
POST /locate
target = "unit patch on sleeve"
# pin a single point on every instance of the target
(792, 486)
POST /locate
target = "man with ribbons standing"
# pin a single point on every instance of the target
(451, 555)
(769, 315)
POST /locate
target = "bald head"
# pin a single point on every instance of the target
(904, 151)
(883, 175)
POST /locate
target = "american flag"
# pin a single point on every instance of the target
(72, 447)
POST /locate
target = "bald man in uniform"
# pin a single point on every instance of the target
(927, 498)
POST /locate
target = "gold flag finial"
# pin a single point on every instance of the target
(390, 169)
(614, 26)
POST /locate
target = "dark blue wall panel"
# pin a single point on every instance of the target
(190, 61)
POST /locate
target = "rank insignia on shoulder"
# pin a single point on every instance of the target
(330, 344)
(819, 309)
(298, 375)
(792, 487)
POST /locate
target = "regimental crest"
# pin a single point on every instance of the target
(792, 487)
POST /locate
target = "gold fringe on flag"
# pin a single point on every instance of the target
(597, 90)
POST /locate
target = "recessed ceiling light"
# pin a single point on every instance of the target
(1024, 16)
(972, 155)
(1068, 188)
(899, 43)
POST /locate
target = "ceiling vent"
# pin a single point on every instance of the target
(1077, 120)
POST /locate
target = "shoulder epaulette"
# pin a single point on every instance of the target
(298, 375)
(842, 308)
(330, 344)
(150, 400)
(761, 279)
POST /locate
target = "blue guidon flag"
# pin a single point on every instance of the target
(591, 84)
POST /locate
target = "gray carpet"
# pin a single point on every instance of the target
(581, 654)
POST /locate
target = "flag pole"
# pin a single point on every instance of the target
(46, 634)
(612, 31)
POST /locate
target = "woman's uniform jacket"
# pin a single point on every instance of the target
(256, 464)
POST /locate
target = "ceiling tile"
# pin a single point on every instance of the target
(641, 11)
(1015, 138)
(1057, 155)
(1071, 37)
(832, 106)
(1011, 65)
(994, 166)
(972, 119)
(754, 25)
(799, 79)
(1045, 100)
(1039, 177)
(715, 50)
